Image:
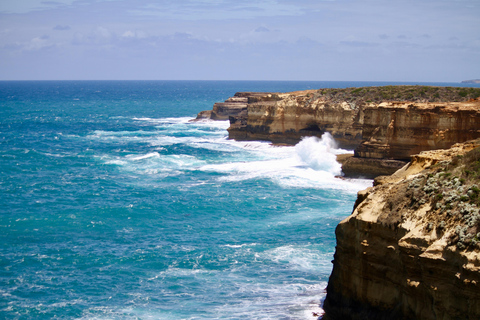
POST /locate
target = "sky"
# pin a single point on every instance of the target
(325, 40)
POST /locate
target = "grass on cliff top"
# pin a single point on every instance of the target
(400, 93)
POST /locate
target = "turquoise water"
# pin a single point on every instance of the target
(113, 205)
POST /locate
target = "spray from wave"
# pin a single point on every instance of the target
(319, 154)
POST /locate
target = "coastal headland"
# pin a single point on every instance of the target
(384, 125)
(411, 247)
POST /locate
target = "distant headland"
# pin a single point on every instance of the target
(471, 81)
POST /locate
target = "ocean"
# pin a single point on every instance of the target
(114, 205)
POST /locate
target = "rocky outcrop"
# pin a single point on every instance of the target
(369, 168)
(383, 133)
(287, 117)
(410, 249)
(235, 106)
(471, 81)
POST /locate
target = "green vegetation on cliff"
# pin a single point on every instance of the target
(451, 189)
(399, 93)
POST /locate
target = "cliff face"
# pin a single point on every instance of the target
(397, 130)
(286, 118)
(234, 106)
(394, 131)
(410, 249)
(383, 133)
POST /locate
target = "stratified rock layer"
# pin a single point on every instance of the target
(235, 106)
(410, 249)
(383, 133)
(397, 130)
(297, 115)
(287, 117)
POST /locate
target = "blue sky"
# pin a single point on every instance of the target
(345, 40)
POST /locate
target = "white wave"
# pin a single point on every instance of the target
(154, 163)
(310, 164)
(236, 246)
(145, 156)
(300, 258)
(212, 124)
(164, 120)
(319, 154)
(175, 272)
(211, 135)
(187, 121)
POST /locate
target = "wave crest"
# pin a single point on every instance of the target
(319, 154)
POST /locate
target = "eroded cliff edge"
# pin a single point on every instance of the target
(384, 125)
(411, 248)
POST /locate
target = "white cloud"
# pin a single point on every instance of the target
(128, 34)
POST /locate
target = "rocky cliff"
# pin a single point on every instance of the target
(287, 117)
(235, 106)
(397, 130)
(385, 125)
(411, 248)
(393, 131)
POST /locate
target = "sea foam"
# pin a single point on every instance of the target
(319, 154)
(310, 164)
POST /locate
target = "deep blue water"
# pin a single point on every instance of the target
(114, 206)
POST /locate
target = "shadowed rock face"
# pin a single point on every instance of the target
(410, 249)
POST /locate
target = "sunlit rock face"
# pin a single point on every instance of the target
(383, 133)
(394, 131)
(411, 248)
(397, 130)
(287, 117)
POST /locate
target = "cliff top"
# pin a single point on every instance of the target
(391, 96)
(399, 93)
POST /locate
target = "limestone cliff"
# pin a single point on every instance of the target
(235, 107)
(286, 118)
(397, 130)
(411, 248)
(393, 131)
(385, 125)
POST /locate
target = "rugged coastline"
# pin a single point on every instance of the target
(384, 125)
(411, 248)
